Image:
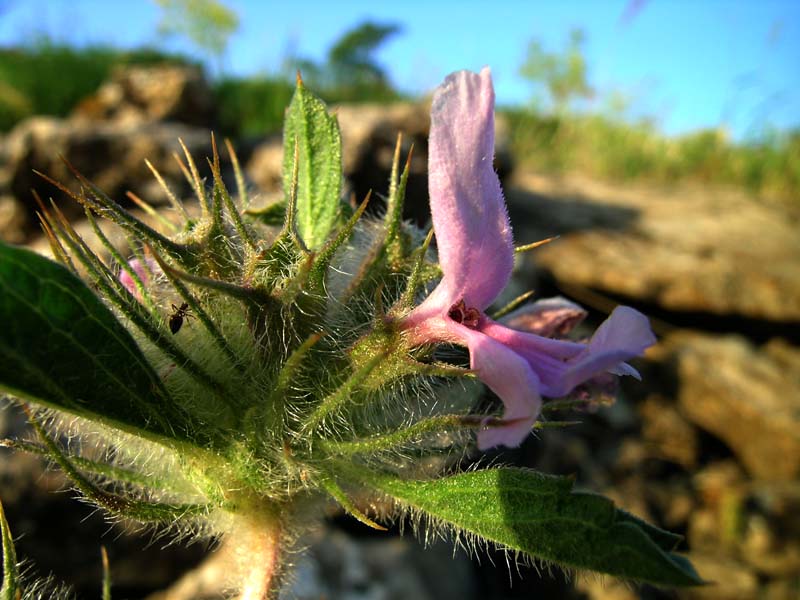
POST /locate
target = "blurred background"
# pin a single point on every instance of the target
(660, 140)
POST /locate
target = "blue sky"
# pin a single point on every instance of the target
(688, 63)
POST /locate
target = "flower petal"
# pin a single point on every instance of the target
(473, 234)
(561, 365)
(142, 270)
(548, 358)
(625, 328)
(522, 342)
(548, 317)
(624, 335)
(510, 377)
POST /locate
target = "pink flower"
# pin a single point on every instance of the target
(476, 254)
(142, 270)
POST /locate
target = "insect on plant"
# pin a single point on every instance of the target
(177, 317)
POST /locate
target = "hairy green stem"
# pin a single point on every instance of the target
(386, 441)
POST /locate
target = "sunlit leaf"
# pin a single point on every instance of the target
(313, 135)
(542, 517)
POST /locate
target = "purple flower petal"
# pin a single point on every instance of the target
(624, 335)
(561, 365)
(548, 358)
(536, 345)
(142, 270)
(473, 234)
(549, 317)
(510, 377)
(626, 328)
(476, 255)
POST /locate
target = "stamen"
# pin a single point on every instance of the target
(467, 316)
(456, 311)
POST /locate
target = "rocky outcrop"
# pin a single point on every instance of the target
(112, 155)
(141, 94)
(141, 113)
(746, 396)
(688, 250)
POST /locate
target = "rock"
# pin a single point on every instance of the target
(13, 220)
(667, 433)
(771, 529)
(111, 155)
(390, 568)
(729, 579)
(755, 521)
(265, 167)
(605, 588)
(369, 132)
(139, 94)
(765, 550)
(717, 480)
(784, 589)
(694, 250)
(744, 395)
(715, 524)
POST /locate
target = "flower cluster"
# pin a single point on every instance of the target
(476, 254)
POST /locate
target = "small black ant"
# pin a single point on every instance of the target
(177, 317)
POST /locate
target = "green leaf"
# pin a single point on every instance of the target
(62, 347)
(10, 588)
(319, 170)
(139, 510)
(540, 515)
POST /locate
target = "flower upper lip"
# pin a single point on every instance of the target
(476, 255)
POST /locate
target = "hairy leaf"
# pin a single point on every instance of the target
(540, 516)
(314, 134)
(62, 347)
